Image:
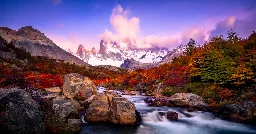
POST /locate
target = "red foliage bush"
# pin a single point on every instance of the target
(41, 81)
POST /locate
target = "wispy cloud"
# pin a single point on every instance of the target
(242, 26)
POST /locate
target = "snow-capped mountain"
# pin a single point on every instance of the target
(172, 54)
(114, 53)
(133, 64)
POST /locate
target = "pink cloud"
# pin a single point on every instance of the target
(128, 30)
(172, 41)
(196, 33)
(124, 28)
(242, 25)
(161, 41)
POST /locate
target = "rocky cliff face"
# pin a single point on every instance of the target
(36, 43)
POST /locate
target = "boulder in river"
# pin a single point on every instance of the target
(188, 100)
(172, 115)
(111, 107)
(179, 99)
(161, 113)
(99, 109)
(134, 92)
(156, 101)
(122, 111)
(126, 92)
(19, 112)
(76, 84)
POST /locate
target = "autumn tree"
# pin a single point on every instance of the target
(232, 36)
(190, 46)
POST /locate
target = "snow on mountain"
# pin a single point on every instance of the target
(172, 54)
(113, 53)
(95, 61)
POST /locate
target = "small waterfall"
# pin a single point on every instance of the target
(154, 117)
(101, 89)
(154, 121)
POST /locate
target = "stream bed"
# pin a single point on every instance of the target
(152, 123)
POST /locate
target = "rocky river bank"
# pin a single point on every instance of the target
(58, 110)
(79, 102)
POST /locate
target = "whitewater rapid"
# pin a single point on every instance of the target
(152, 123)
(189, 122)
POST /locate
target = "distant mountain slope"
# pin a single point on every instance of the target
(36, 43)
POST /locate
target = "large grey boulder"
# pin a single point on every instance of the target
(122, 111)
(111, 107)
(76, 84)
(188, 100)
(63, 107)
(98, 109)
(20, 113)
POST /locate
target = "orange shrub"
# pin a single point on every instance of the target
(225, 93)
(41, 81)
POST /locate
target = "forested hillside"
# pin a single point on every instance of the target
(222, 71)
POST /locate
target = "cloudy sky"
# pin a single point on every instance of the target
(166, 23)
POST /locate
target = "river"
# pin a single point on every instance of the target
(152, 123)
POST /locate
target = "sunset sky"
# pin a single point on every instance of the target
(166, 23)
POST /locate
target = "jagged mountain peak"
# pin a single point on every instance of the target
(37, 44)
(172, 54)
(28, 29)
(25, 33)
(114, 53)
(7, 30)
(35, 35)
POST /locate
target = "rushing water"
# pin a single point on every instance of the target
(153, 123)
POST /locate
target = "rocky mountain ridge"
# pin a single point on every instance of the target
(25, 33)
(114, 53)
(133, 64)
(36, 43)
